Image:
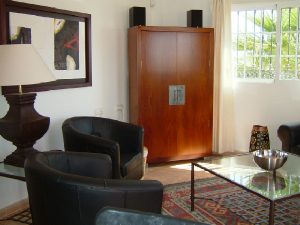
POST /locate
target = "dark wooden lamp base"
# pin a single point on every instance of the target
(23, 126)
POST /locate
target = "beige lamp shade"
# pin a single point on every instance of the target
(21, 64)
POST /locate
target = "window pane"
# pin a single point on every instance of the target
(285, 15)
(257, 44)
(289, 43)
(240, 67)
(268, 70)
(269, 20)
(252, 67)
(258, 20)
(284, 43)
(288, 63)
(234, 22)
(289, 18)
(268, 63)
(250, 44)
(241, 21)
(293, 44)
(288, 46)
(234, 42)
(269, 44)
(250, 21)
(294, 19)
(288, 67)
(241, 46)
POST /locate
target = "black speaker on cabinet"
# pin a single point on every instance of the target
(194, 18)
(137, 16)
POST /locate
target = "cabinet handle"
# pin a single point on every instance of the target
(176, 94)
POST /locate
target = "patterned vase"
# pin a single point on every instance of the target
(259, 138)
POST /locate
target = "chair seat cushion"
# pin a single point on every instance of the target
(129, 161)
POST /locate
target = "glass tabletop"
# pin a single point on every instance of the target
(12, 172)
(242, 170)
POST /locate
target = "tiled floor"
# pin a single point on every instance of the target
(167, 173)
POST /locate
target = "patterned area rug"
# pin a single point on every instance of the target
(22, 217)
(225, 203)
(222, 203)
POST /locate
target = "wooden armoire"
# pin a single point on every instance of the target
(171, 90)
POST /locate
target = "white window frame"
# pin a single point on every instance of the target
(261, 6)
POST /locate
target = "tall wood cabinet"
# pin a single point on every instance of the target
(162, 57)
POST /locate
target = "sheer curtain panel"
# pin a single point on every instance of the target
(223, 130)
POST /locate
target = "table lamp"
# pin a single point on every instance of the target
(21, 64)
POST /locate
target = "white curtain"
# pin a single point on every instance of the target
(223, 127)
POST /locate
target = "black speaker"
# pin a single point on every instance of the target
(194, 18)
(137, 16)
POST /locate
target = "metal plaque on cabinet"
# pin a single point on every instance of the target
(177, 95)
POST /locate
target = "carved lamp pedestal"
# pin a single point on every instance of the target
(23, 126)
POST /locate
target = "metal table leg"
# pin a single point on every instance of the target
(192, 187)
(271, 214)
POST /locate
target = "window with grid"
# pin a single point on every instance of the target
(255, 37)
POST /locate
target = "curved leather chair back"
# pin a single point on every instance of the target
(289, 134)
(124, 142)
(71, 188)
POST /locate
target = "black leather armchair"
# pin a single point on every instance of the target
(71, 188)
(124, 143)
(116, 216)
(289, 134)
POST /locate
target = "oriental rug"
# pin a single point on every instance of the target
(225, 203)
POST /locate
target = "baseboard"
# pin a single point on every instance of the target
(14, 208)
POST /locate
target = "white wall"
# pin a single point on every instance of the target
(264, 104)
(110, 72)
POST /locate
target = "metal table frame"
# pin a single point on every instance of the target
(272, 202)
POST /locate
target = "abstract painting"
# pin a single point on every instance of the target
(66, 44)
(61, 37)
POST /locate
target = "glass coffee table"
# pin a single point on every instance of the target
(242, 171)
(13, 172)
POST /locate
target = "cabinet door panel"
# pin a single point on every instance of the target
(194, 129)
(158, 72)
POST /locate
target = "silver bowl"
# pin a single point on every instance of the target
(269, 159)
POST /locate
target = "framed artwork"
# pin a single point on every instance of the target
(63, 39)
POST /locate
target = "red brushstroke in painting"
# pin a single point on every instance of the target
(69, 44)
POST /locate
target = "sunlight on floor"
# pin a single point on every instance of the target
(186, 166)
